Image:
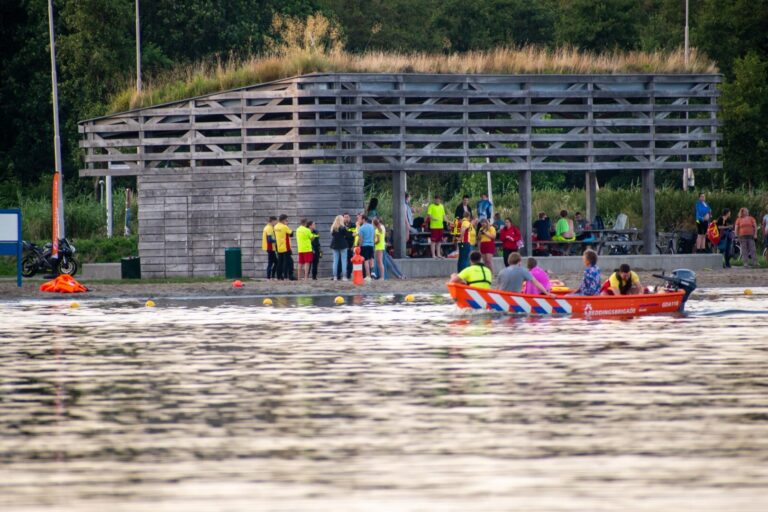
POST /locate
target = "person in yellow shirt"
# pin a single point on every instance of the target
(304, 242)
(476, 275)
(622, 282)
(467, 241)
(283, 242)
(487, 235)
(268, 245)
(436, 215)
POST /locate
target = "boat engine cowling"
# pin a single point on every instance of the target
(680, 279)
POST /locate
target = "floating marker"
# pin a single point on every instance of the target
(409, 298)
(237, 284)
(74, 305)
(747, 292)
(267, 301)
(339, 300)
(150, 303)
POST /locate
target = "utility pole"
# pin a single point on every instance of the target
(138, 49)
(56, 130)
(687, 172)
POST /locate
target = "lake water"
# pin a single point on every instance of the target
(381, 405)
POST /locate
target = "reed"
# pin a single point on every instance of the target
(314, 45)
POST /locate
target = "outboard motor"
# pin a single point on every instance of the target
(680, 279)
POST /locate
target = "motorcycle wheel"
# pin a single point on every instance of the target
(29, 266)
(68, 266)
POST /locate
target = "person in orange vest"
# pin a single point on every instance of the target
(268, 244)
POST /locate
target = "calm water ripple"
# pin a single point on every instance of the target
(381, 405)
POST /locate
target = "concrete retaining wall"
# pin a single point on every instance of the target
(422, 267)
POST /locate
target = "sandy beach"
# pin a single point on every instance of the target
(736, 277)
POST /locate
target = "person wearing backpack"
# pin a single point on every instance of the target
(725, 232)
(746, 230)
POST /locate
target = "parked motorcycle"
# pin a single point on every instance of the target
(37, 259)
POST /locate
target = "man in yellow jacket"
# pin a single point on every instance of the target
(268, 244)
(283, 241)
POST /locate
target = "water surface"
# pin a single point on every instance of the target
(214, 404)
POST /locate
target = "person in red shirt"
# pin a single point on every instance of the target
(511, 239)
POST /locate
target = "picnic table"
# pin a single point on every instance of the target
(615, 241)
(420, 241)
(618, 241)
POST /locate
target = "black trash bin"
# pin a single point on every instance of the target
(233, 267)
(687, 242)
(130, 267)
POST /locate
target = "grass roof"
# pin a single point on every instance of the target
(210, 77)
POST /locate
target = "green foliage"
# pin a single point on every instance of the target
(106, 250)
(599, 24)
(181, 39)
(745, 118)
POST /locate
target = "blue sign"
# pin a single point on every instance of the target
(10, 237)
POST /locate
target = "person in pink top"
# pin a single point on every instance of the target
(541, 276)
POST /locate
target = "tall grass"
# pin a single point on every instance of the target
(84, 217)
(313, 46)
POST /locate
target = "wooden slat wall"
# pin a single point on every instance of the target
(212, 168)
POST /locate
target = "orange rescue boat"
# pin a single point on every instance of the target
(670, 299)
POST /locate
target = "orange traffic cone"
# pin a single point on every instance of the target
(357, 267)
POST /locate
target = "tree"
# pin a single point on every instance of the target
(745, 122)
(599, 25)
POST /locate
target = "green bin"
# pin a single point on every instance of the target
(233, 267)
(130, 267)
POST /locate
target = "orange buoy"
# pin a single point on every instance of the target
(237, 284)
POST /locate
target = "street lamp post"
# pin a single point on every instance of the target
(687, 172)
(56, 131)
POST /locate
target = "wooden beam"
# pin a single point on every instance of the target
(649, 210)
(526, 211)
(590, 185)
(399, 224)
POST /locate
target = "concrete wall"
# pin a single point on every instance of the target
(420, 267)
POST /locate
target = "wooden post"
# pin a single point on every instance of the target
(590, 186)
(526, 216)
(649, 211)
(398, 213)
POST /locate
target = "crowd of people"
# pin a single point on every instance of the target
(723, 233)
(477, 233)
(534, 280)
(367, 232)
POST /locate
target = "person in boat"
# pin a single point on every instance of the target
(476, 275)
(590, 283)
(511, 279)
(623, 281)
(538, 274)
(564, 231)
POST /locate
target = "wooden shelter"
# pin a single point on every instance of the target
(211, 169)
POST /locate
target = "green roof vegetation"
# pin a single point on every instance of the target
(211, 77)
(314, 45)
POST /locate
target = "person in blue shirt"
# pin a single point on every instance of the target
(366, 236)
(484, 208)
(703, 216)
(590, 284)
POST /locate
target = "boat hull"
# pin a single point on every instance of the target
(602, 306)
